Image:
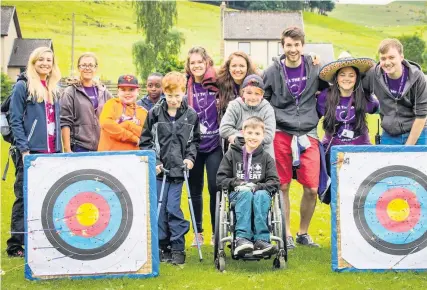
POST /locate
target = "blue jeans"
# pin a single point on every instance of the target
(387, 139)
(252, 207)
(172, 225)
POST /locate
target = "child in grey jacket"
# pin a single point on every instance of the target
(251, 103)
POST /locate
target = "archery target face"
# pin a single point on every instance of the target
(383, 210)
(87, 215)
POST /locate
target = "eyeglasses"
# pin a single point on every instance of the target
(87, 66)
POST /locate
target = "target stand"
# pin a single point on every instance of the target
(91, 215)
(379, 208)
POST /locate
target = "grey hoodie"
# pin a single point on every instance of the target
(237, 112)
(398, 115)
(290, 118)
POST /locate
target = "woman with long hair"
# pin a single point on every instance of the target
(34, 121)
(231, 76)
(201, 96)
(344, 105)
(81, 106)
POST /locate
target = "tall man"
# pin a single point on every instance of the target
(291, 83)
(400, 87)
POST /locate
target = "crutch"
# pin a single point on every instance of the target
(193, 219)
(159, 204)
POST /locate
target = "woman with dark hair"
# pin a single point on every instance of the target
(344, 105)
(231, 76)
(202, 97)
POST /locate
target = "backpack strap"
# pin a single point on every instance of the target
(6, 169)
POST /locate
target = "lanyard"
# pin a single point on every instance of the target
(347, 113)
(298, 94)
(401, 85)
(247, 162)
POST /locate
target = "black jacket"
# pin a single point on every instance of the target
(172, 141)
(262, 171)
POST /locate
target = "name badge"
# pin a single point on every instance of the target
(347, 133)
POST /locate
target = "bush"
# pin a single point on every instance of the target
(6, 86)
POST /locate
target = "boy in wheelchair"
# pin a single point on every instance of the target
(249, 174)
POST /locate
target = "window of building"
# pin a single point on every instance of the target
(245, 47)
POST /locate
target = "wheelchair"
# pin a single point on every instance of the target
(224, 231)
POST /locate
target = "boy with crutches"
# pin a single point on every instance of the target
(172, 130)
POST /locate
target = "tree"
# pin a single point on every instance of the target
(6, 86)
(413, 47)
(162, 42)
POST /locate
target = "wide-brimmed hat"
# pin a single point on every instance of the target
(363, 64)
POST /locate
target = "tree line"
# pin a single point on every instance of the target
(321, 7)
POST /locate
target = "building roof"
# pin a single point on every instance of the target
(22, 49)
(260, 25)
(324, 50)
(7, 13)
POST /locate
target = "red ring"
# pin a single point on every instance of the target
(414, 210)
(71, 211)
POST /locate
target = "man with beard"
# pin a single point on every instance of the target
(291, 83)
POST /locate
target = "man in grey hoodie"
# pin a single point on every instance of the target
(400, 87)
(291, 83)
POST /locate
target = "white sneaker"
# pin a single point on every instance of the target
(200, 238)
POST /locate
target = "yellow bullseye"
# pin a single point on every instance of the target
(398, 209)
(87, 214)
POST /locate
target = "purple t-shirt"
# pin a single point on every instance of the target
(92, 93)
(396, 86)
(345, 120)
(296, 79)
(204, 103)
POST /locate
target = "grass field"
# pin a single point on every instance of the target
(308, 268)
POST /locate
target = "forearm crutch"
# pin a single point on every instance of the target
(193, 219)
(159, 204)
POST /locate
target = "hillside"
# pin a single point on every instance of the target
(109, 30)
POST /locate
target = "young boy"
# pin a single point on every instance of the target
(172, 130)
(251, 103)
(154, 91)
(400, 87)
(249, 173)
(121, 119)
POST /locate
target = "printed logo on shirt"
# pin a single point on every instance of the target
(294, 84)
(255, 171)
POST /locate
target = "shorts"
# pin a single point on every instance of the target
(309, 169)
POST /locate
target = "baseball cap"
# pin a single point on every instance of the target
(128, 81)
(253, 81)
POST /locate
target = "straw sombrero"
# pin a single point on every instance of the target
(363, 64)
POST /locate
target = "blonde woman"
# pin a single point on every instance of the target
(34, 120)
(81, 106)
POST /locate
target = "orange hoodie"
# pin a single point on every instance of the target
(124, 135)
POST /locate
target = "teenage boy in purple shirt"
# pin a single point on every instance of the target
(291, 83)
(400, 87)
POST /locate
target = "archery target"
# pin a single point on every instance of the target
(381, 210)
(88, 215)
(92, 212)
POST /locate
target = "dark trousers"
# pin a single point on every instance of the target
(196, 182)
(16, 241)
(172, 225)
